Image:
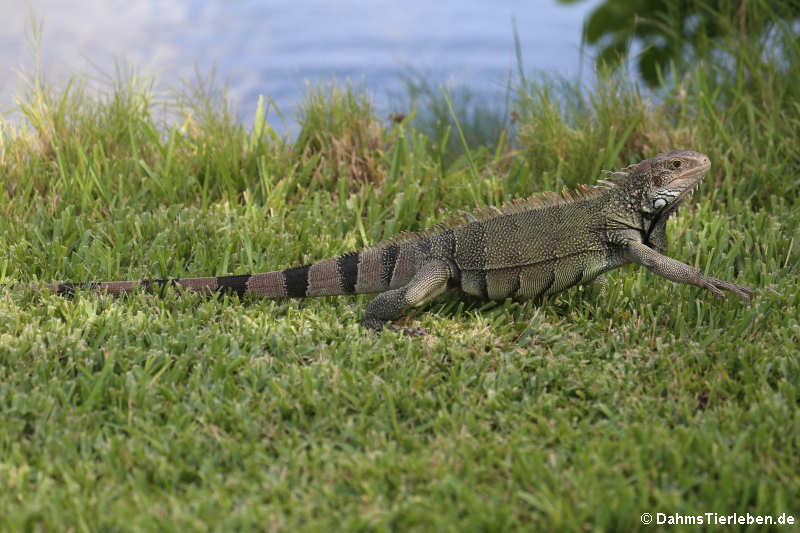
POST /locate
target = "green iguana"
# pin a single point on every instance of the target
(529, 248)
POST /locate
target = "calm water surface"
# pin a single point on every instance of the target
(277, 48)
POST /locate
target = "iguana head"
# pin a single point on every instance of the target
(656, 187)
(667, 179)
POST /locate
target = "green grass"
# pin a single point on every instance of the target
(578, 413)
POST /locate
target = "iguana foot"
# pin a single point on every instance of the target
(414, 332)
(714, 285)
(374, 325)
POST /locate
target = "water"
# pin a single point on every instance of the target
(278, 48)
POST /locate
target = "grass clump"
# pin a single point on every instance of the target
(340, 135)
(482, 122)
(577, 413)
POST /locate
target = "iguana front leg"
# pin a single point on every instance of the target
(429, 282)
(600, 283)
(674, 270)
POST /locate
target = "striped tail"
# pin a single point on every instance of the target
(371, 270)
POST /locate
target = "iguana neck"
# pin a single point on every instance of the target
(626, 219)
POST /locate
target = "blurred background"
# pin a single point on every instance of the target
(278, 49)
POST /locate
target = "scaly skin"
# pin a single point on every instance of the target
(527, 249)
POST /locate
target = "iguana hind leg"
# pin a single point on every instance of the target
(429, 282)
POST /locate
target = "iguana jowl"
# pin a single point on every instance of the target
(529, 248)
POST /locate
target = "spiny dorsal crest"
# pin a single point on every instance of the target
(537, 201)
(550, 199)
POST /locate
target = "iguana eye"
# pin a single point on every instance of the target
(658, 203)
(676, 163)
